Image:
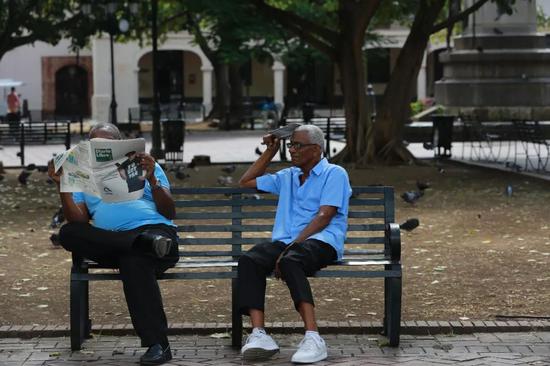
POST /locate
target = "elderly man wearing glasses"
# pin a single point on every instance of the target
(308, 234)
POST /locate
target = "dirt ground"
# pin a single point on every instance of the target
(476, 254)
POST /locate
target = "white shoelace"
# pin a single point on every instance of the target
(309, 343)
(252, 336)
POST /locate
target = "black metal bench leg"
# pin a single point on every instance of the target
(236, 318)
(386, 305)
(78, 315)
(393, 311)
(86, 315)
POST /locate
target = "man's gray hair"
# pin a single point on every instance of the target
(315, 134)
(109, 127)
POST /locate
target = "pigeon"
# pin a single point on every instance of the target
(412, 196)
(180, 173)
(410, 224)
(229, 169)
(24, 176)
(513, 166)
(251, 197)
(258, 151)
(55, 240)
(57, 218)
(225, 181)
(423, 185)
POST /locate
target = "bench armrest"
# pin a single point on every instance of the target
(393, 235)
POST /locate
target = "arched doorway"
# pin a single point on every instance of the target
(71, 92)
(179, 78)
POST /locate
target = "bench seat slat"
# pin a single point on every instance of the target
(225, 215)
(226, 190)
(265, 228)
(224, 228)
(226, 203)
(236, 241)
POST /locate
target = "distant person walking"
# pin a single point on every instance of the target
(12, 116)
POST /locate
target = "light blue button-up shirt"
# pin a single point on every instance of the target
(327, 185)
(128, 215)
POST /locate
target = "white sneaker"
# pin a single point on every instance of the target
(259, 346)
(311, 349)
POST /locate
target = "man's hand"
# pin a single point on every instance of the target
(270, 141)
(56, 177)
(147, 163)
(277, 270)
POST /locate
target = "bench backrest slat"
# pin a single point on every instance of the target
(223, 222)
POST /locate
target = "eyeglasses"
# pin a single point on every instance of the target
(297, 145)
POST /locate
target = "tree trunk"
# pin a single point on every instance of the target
(221, 102)
(351, 63)
(394, 111)
(236, 84)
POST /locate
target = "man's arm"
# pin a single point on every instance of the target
(74, 212)
(319, 222)
(248, 179)
(161, 196)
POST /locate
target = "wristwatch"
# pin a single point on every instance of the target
(156, 186)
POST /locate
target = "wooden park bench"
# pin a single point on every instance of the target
(217, 224)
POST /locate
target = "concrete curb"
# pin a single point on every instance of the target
(413, 327)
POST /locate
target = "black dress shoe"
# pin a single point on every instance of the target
(157, 245)
(156, 355)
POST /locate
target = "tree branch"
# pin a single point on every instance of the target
(371, 6)
(315, 31)
(458, 17)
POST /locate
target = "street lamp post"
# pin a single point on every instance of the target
(371, 98)
(113, 106)
(156, 150)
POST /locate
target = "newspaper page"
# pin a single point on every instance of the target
(103, 168)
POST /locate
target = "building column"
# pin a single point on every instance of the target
(421, 79)
(278, 82)
(207, 88)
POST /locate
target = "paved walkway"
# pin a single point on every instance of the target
(241, 145)
(344, 349)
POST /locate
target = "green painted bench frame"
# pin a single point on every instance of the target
(237, 206)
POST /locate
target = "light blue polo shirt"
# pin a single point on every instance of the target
(327, 185)
(122, 216)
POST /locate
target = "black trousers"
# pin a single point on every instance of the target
(301, 260)
(138, 271)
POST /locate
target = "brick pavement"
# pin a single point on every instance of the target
(525, 348)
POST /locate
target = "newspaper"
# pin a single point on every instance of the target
(103, 168)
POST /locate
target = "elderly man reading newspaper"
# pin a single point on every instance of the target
(134, 233)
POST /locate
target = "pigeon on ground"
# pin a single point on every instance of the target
(412, 196)
(57, 218)
(225, 181)
(410, 224)
(229, 169)
(258, 151)
(180, 173)
(423, 185)
(54, 238)
(24, 176)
